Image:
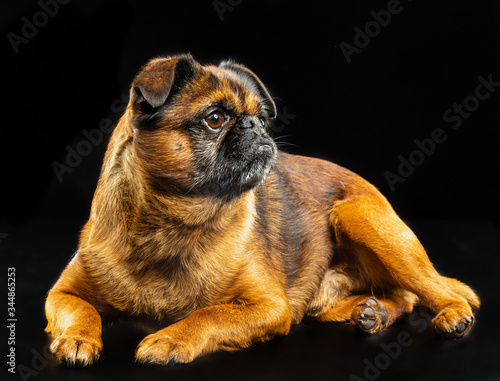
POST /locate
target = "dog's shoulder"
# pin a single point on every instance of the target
(318, 178)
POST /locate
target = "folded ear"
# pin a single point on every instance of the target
(152, 86)
(250, 80)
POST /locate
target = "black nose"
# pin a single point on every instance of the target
(249, 122)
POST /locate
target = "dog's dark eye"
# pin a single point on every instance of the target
(215, 119)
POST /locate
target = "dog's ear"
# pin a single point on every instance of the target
(251, 81)
(154, 83)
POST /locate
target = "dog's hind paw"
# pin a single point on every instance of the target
(370, 316)
(453, 323)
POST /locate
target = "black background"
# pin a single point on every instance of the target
(363, 115)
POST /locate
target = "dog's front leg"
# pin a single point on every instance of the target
(218, 327)
(75, 326)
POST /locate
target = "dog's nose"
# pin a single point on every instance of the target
(249, 122)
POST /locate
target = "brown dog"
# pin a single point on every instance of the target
(200, 226)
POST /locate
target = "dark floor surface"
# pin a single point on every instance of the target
(467, 250)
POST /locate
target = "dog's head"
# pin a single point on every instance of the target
(202, 129)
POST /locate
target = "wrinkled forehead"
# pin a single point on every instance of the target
(213, 86)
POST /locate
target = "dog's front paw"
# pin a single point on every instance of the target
(76, 350)
(453, 322)
(161, 349)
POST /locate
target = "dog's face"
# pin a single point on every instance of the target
(202, 129)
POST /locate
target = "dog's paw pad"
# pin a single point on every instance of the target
(370, 301)
(370, 316)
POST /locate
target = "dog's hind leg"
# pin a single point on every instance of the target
(367, 313)
(463, 290)
(389, 254)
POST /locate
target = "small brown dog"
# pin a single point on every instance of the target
(200, 226)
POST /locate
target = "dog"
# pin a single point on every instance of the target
(203, 231)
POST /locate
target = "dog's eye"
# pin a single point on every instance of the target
(215, 119)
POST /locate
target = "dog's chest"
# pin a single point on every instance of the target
(174, 280)
(174, 291)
